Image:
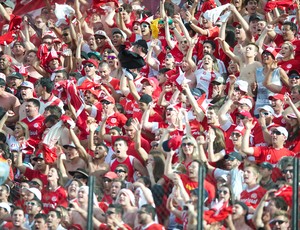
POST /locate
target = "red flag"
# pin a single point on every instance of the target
(77, 102)
(286, 192)
(28, 6)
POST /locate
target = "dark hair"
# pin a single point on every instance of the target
(280, 203)
(58, 215)
(158, 169)
(64, 72)
(47, 83)
(163, 70)
(127, 8)
(146, 181)
(54, 110)
(103, 145)
(53, 119)
(118, 208)
(123, 184)
(211, 42)
(246, 2)
(120, 108)
(41, 216)
(121, 139)
(256, 46)
(292, 25)
(2, 137)
(39, 202)
(149, 209)
(118, 129)
(169, 8)
(35, 102)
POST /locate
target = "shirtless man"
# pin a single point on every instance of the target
(248, 66)
(9, 102)
(82, 200)
(76, 156)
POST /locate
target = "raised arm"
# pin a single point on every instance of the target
(212, 156)
(81, 150)
(227, 51)
(249, 125)
(138, 145)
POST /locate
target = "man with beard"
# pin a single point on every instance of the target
(146, 216)
(40, 221)
(26, 90)
(18, 219)
(116, 186)
(53, 220)
(33, 207)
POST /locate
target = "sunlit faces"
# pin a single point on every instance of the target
(239, 32)
(185, 66)
(286, 50)
(19, 131)
(193, 170)
(100, 152)
(82, 195)
(237, 211)
(208, 62)
(211, 116)
(137, 28)
(124, 199)
(18, 49)
(287, 33)
(18, 218)
(280, 222)
(120, 148)
(66, 36)
(117, 39)
(30, 109)
(207, 48)
(224, 193)
(53, 220)
(147, 88)
(260, 26)
(52, 175)
(145, 29)
(115, 188)
(130, 131)
(251, 7)
(89, 69)
(4, 62)
(111, 60)
(54, 64)
(267, 57)
(250, 51)
(187, 147)
(59, 77)
(32, 207)
(29, 58)
(71, 153)
(183, 44)
(250, 175)
(295, 94)
(236, 138)
(288, 174)
(73, 189)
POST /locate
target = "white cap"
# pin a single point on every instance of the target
(282, 130)
(6, 206)
(3, 76)
(246, 101)
(27, 84)
(36, 192)
(243, 85)
(117, 30)
(267, 108)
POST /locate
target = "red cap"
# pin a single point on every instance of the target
(245, 113)
(109, 99)
(172, 144)
(272, 51)
(111, 175)
(277, 97)
(92, 61)
(152, 81)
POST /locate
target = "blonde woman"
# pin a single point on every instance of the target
(188, 151)
(287, 61)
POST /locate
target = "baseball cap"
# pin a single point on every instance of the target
(254, 17)
(27, 84)
(196, 92)
(95, 54)
(292, 115)
(39, 155)
(282, 130)
(172, 144)
(245, 113)
(277, 97)
(219, 79)
(246, 101)
(242, 85)
(272, 51)
(5, 206)
(70, 145)
(141, 43)
(233, 155)
(111, 175)
(92, 61)
(36, 192)
(118, 31)
(294, 73)
(146, 98)
(152, 81)
(109, 99)
(2, 82)
(242, 204)
(100, 33)
(267, 108)
(18, 43)
(16, 75)
(266, 165)
(9, 4)
(80, 171)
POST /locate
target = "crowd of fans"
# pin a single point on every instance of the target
(140, 95)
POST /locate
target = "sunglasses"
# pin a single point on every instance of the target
(89, 65)
(30, 203)
(276, 132)
(65, 34)
(237, 89)
(294, 77)
(279, 222)
(34, 183)
(104, 102)
(120, 171)
(109, 213)
(238, 27)
(222, 191)
(266, 113)
(184, 42)
(287, 170)
(144, 25)
(186, 144)
(111, 57)
(236, 134)
(79, 177)
(229, 158)
(242, 117)
(170, 109)
(169, 56)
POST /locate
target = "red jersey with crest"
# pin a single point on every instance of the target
(253, 196)
(52, 199)
(35, 126)
(151, 226)
(52, 100)
(128, 162)
(271, 155)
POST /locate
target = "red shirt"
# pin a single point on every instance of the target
(128, 162)
(30, 174)
(253, 196)
(35, 126)
(271, 155)
(106, 227)
(152, 226)
(115, 120)
(52, 199)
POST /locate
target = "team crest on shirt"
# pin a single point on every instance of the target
(253, 196)
(289, 66)
(36, 125)
(113, 120)
(54, 198)
(268, 157)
